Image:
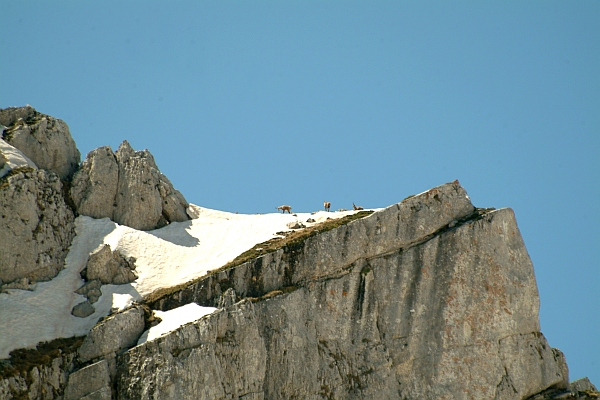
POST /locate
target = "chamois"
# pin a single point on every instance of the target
(285, 208)
(327, 205)
(357, 207)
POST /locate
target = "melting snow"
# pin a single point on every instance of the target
(165, 257)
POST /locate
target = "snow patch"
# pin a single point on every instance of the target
(166, 257)
(173, 319)
(14, 158)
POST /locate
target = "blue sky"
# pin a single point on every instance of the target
(249, 105)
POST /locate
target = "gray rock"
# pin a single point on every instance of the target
(82, 310)
(228, 298)
(101, 394)
(139, 204)
(88, 381)
(94, 186)
(561, 361)
(529, 360)
(330, 253)
(21, 284)
(43, 139)
(117, 332)
(10, 115)
(44, 381)
(91, 290)
(295, 225)
(109, 266)
(395, 305)
(128, 188)
(203, 352)
(429, 298)
(582, 385)
(36, 225)
(174, 204)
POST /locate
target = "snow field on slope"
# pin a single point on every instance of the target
(165, 257)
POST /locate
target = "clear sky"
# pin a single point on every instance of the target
(250, 105)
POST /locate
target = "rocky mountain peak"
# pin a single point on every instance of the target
(429, 298)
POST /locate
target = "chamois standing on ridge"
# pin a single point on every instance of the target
(285, 208)
(327, 205)
(357, 207)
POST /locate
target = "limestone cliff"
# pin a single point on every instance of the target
(430, 298)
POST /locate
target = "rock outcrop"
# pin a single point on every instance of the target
(113, 334)
(43, 139)
(94, 186)
(36, 225)
(109, 266)
(41, 373)
(128, 188)
(103, 267)
(404, 303)
(125, 186)
(91, 382)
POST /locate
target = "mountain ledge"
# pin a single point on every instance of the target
(429, 298)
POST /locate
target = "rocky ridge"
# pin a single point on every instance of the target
(428, 298)
(43, 188)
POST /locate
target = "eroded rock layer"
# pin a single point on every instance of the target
(36, 226)
(43, 139)
(429, 298)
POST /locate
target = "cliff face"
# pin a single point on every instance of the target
(430, 298)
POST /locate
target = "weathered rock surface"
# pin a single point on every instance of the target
(138, 200)
(295, 225)
(47, 379)
(109, 266)
(88, 380)
(117, 332)
(395, 305)
(36, 225)
(581, 389)
(83, 309)
(9, 116)
(94, 186)
(91, 290)
(582, 385)
(43, 139)
(127, 187)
